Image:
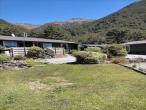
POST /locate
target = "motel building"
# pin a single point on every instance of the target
(26, 42)
(136, 49)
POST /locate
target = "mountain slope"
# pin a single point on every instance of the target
(129, 20)
(7, 28)
(27, 26)
(132, 16)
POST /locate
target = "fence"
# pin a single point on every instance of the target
(52, 52)
(55, 52)
(19, 51)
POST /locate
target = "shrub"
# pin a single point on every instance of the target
(35, 52)
(119, 60)
(91, 60)
(19, 57)
(72, 51)
(114, 50)
(122, 52)
(1, 48)
(93, 49)
(4, 58)
(84, 57)
(30, 62)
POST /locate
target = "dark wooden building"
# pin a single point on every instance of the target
(136, 47)
(9, 41)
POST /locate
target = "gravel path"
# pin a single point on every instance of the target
(66, 59)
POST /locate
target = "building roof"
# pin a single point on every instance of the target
(136, 42)
(10, 38)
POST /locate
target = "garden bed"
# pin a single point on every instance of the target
(13, 65)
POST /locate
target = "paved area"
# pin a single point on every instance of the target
(138, 65)
(66, 59)
(133, 56)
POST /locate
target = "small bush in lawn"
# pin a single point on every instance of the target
(19, 57)
(119, 60)
(93, 49)
(84, 57)
(4, 58)
(35, 52)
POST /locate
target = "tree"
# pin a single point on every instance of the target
(114, 50)
(116, 36)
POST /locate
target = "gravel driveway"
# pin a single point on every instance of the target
(66, 59)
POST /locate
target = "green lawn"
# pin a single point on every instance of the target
(72, 87)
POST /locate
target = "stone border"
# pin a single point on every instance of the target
(142, 72)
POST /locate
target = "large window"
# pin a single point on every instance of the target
(47, 45)
(10, 44)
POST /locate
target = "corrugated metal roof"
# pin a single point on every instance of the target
(136, 42)
(10, 38)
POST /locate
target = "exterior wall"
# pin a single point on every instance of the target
(139, 49)
(73, 46)
(67, 46)
(56, 45)
(1, 43)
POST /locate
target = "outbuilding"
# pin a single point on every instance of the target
(136, 47)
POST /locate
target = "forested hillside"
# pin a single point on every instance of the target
(7, 28)
(128, 24)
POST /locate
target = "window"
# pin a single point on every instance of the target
(47, 45)
(10, 44)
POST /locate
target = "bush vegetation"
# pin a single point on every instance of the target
(84, 57)
(35, 52)
(19, 57)
(93, 49)
(119, 60)
(1, 48)
(115, 50)
(30, 62)
(4, 58)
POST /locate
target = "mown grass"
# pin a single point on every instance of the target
(73, 87)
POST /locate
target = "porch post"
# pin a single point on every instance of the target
(24, 44)
(67, 47)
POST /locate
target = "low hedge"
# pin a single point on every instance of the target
(84, 57)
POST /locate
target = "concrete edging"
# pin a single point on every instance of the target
(142, 72)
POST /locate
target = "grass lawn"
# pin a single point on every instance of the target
(72, 87)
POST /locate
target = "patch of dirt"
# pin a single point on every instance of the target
(36, 85)
(48, 83)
